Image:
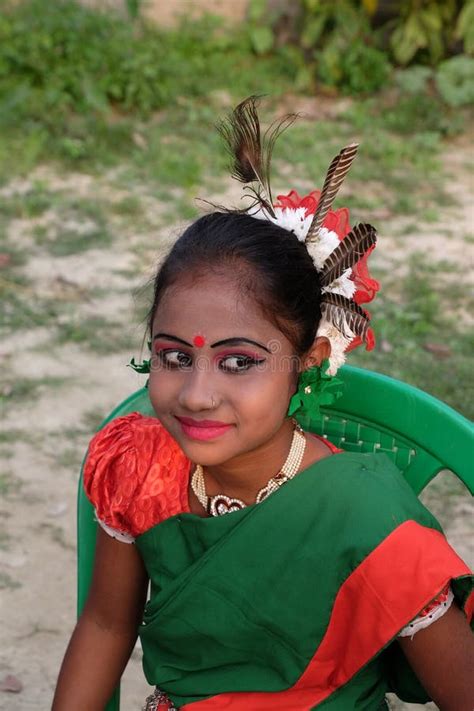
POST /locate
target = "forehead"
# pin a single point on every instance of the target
(215, 306)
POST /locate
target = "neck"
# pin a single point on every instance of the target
(243, 476)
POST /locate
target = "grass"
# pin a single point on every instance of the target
(74, 240)
(7, 582)
(22, 390)
(92, 419)
(186, 133)
(76, 226)
(155, 140)
(10, 436)
(71, 226)
(443, 496)
(23, 308)
(5, 538)
(76, 106)
(31, 203)
(9, 484)
(130, 206)
(70, 458)
(96, 333)
(417, 313)
(79, 435)
(18, 308)
(56, 534)
(406, 315)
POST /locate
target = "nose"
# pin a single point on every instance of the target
(197, 392)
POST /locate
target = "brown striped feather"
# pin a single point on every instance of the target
(337, 171)
(347, 253)
(344, 313)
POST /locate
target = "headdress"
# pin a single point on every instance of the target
(339, 253)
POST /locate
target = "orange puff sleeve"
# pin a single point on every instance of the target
(135, 475)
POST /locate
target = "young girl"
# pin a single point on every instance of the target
(284, 573)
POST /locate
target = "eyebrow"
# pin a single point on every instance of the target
(237, 341)
(169, 337)
(225, 342)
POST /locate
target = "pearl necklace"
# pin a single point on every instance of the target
(220, 504)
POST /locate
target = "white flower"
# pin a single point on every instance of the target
(295, 220)
(343, 285)
(338, 342)
(320, 250)
(291, 219)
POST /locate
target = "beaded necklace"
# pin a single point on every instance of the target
(220, 504)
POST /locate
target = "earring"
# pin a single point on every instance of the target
(315, 388)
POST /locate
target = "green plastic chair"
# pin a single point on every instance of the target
(421, 434)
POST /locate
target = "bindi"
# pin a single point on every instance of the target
(199, 341)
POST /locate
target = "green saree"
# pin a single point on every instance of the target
(294, 603)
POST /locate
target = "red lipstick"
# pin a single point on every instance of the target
(202, 429)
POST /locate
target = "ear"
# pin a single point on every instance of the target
(319, 351)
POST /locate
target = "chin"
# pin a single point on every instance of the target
(205, 453)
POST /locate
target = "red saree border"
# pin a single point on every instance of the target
(356, 627)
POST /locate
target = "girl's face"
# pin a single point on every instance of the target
(222, 375)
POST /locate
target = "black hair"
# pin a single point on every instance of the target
(282, 278)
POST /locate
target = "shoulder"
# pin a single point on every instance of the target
(369, 493)
(363, 475)
(135, 474)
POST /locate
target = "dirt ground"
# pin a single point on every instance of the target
(46, 433)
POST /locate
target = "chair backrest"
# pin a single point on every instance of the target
(421, 434)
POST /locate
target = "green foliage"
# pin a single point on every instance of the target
(429, 96)
(423, 25)
(417, 113)
(336, 43)
(133, 8)
(414, 80)
(72, 76)
(261, 39)
(350, 45)
(455, 81)
(465, 26)
(260, 32)
(365, 69)
(65, 56)
(94, 90)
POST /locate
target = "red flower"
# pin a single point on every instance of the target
(338, 221)
(366, 287)
(357, 341)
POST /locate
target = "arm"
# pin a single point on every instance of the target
(442, 657)
(106, 632)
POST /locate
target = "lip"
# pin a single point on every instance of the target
(201, 423)
(202, 429)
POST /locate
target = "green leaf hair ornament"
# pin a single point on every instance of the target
(315, 388)
(144, 367)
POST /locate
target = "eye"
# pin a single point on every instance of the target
(175, 359)
(238, 363)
